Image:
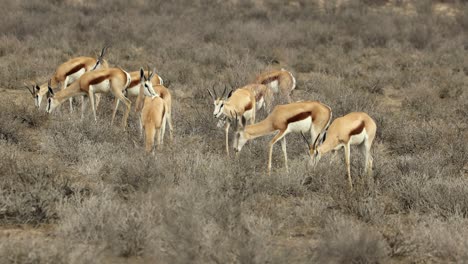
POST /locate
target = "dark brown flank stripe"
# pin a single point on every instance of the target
(248, 107)
(299, 117)
(98, 80)
(134, 82)
(358, 129)
(75, 69)
(270, 79)
(259, 96)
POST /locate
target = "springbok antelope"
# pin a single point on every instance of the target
(113, 80)
(153, 112)
(355, 128)
(239, 103)
(308, 116)
(263, 96)
(154, 82)
(279, 81)
(67, 73)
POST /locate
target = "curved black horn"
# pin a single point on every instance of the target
(147, 66)
(316, 140)
(31, 91)
(211, 94)
(214, 91)
(224, 91)
(305, 139)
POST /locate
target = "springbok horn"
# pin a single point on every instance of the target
(224, 91)
(211, 94)
(31, 91)
(316, 140)
(148, 69)
(305, 139)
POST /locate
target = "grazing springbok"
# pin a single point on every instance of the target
(299, 117)
(355, 128)
(240, 103)
(263, 96)
(153, 113)
(114, 80)
(156, 83)
(279, 81)
(67, 73)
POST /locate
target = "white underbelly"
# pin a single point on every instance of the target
(75, 76)
(133, 91)
(248, 114)
(259, 103)
(102, 87)
(359, 138)
(300, 126)
(274, 86)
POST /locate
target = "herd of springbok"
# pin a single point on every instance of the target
(88, 77)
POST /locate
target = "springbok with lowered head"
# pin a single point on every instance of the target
(300, 117)
(113, 80)
(67, 73)
(153, 113)
(281, 82)
(239, 103)
(356, 128)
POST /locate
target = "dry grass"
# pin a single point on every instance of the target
(95, 188)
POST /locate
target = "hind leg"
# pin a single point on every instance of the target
(169, 122)
(116, 106)
(163, 129)
(84, 103)
(119, 95)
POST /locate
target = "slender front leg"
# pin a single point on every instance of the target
(65, 84)
(91, 99)
(270, 153)
(283, 147)
(226, 130)
(348, 165)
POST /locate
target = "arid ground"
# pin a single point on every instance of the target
(76, 191)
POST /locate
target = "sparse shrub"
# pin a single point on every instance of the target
(345, 242)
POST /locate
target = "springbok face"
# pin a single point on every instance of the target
(35, 94)
(100, 60)
(52, 103)
(147, 85)
(313, 152)
(219, 102)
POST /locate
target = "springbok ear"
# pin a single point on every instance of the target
(142, 75)
(229, 94)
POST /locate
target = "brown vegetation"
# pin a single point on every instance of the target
(76, 191)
